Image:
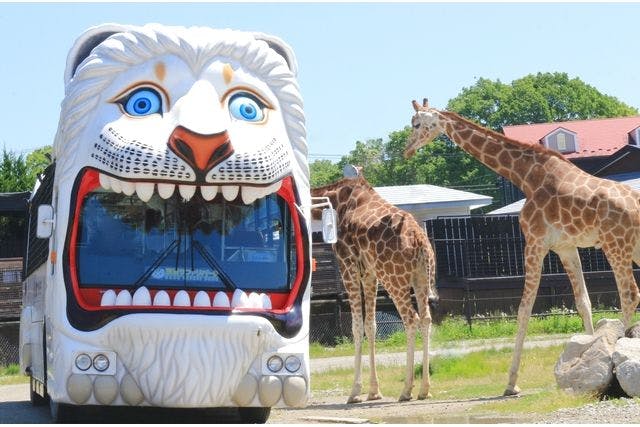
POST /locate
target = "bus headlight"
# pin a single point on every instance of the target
(274, 364)
(101, 363)
(292, 363)
(83, 362)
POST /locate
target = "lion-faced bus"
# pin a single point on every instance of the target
(168, 260)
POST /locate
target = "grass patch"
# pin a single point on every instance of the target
(475, 375)
(454, 329)
(539, 402)
(11, 375)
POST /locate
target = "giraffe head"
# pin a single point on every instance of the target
(426, 126)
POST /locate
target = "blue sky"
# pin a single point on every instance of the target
(360, 63)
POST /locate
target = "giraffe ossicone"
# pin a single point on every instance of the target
(566, 208)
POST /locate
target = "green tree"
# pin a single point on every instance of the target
(535, 98)
(38, 160)
(14, 174)
(19, 173)
(324, 172)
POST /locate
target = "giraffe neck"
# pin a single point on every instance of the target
(339, 193)
(521, 163)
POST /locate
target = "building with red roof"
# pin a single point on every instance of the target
(600, 146)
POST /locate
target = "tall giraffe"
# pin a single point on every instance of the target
(566, 208)
(377, 242)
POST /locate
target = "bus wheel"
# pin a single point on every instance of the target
(61, 412)
(36, 399)
(254, 415)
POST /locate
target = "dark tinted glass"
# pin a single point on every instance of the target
(124, 242)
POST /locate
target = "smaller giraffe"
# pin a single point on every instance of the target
(377, 242)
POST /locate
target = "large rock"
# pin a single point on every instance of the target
(586, 364)
(633, 331)
(626, 362)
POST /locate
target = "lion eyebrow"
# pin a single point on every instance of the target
(161, 70)
(227, 73)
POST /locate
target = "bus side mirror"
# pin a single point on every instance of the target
(329, 225)
(44, 228)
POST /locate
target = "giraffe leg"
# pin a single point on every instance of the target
(351, 280)
(355, 301)
(627, 288)
(424, 314)
(534, 254)
(370, 286)
(410, 328)
(402, 301)
(571, 261)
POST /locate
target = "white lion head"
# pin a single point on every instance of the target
(156, 108)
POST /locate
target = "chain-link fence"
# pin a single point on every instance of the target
(9, 333)
(329, 328)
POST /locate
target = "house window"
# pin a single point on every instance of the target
(562, 141)
(635, 137)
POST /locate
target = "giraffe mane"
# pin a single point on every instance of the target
(501, 137)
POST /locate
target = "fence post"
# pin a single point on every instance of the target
(466, 302)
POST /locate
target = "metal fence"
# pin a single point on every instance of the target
(492, 246)
(9, 333)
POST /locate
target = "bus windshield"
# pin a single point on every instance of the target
(124, 242)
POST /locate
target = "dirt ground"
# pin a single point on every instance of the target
(15, 408)
(333, 409)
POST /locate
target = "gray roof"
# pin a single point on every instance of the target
(631, 179)
(431, 196)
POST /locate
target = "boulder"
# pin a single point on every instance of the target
(586, 364)
(626, 362)
(633, 331)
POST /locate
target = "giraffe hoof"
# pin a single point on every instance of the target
(424, 396)
(511, 391)
(375, 396)
(404, 398)
(354, 399)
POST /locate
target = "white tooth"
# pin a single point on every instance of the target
(273, 188)
(202, 299)
(166, 190)
(266, 301)
(142, 296)
(162, 298)
(209, 192)
(182, 299)
(128, 188)
(108, 298)
(220, 300)
(254, 300)
(104, 181)
(239, 299)
(230, 192)
(187, 191)
(123, 298)
(144, 190)
(115, 185)
(250, 194)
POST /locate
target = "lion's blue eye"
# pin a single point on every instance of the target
(246, 107)
(143, 102)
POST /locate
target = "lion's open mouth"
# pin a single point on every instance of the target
(149, 246)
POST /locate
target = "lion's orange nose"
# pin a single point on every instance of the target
(202, 152)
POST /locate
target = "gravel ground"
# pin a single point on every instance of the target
(617, 411)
